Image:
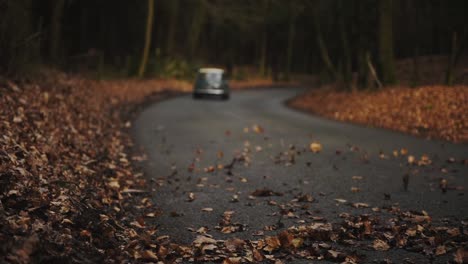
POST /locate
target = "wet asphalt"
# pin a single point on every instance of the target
(183, 137)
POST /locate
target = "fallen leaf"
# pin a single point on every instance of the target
(360, 205)
(272, 244)
(340, 200)
(440, 250)
(380, 245)
(265, 193)
(461, 256)
(315, 147)
(257, 129)
(285, 239)
(150, 255)
(191, 197)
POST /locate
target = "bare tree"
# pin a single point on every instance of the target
(149, 29)
(386, 54)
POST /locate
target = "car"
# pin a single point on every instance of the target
(211, 82)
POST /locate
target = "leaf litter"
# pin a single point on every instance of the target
(88, 203)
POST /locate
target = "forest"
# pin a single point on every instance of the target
(336, 40)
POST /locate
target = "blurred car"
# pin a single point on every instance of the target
(211, 82)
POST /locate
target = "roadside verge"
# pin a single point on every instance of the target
(428, 111)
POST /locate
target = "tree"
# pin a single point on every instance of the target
(346, 71)
(171, 31)
(56, 29)
(386, 54)
(293, 12)
(149, 29)
(196, 26)
(323, 49)
(264, 38)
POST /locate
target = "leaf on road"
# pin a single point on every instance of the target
(360, 205)
(258, 129)
(315, 147)
(191, 197)
(272, 243)
(340, 200)
(265, 193)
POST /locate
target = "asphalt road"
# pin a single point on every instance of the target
(181, 131)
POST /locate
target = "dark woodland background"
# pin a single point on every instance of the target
(334, 39)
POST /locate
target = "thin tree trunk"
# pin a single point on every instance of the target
(263, 47)
(149, 28)
(83, 26)
(361, 23)
(373, 72)
(415, 74)
(386, 54)
(291, 35)
(363, 70)
(174, 10)
(197, 24)
(455, 54)
(56, 29)
(346, 71)
(263, 53)
(324, 51)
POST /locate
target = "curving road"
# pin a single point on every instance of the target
(181, 131)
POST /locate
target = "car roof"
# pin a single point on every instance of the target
(211, 70)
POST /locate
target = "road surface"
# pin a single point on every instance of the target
(186, 138)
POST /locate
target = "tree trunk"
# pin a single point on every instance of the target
(263, 53)
(83, 27)
(149, 29)
(362, 23)
(263, 46)
(56, 29)
(174, 10)
(197, 24)
(291, 35)
(451, 61)
(324, 51)
(347, 67)
(373, 72)
(455, 54)
(415, 76)
(363, 70)
(386, 55)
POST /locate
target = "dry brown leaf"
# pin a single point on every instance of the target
(315, 147)
(380, 245)
(150, 255)
(461, 256)
(285, 238)
(258, 129)
(272, 243)
(440, 250)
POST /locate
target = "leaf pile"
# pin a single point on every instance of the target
(430, 111)
(346, 241)
(68, 192)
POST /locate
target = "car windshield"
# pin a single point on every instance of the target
(211, 78)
